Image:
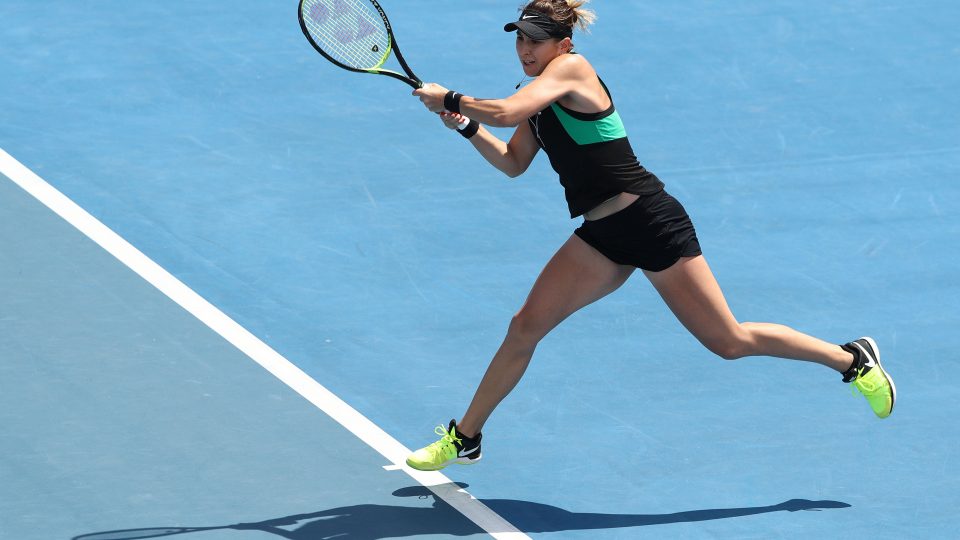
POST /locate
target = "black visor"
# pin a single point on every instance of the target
(538, 26)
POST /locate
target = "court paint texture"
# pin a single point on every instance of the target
(816, 148)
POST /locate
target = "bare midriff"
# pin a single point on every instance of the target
(610, 206)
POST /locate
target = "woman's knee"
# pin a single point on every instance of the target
(733, 345)
(525, 329)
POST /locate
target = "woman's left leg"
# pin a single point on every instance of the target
(693, 294)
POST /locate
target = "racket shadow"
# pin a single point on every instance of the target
(367, 521)
(375, 521)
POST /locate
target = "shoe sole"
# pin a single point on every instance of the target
(876, 357)
(454, 461)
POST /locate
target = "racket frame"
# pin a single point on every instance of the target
(392, 47)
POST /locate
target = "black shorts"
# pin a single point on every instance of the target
(652, 233)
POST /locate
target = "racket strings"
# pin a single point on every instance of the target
(348, 30)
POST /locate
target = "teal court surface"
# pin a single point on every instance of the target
(238, 284)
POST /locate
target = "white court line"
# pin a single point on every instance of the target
(260, 352)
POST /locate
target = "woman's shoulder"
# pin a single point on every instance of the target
(573, 65)
(587, 93)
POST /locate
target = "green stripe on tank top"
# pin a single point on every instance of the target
(591, 131)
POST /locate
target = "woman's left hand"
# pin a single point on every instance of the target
(431, 95)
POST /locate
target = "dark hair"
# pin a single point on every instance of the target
(568, 13)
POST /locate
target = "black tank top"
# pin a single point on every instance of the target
(592, 155)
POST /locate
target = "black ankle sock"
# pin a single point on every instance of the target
(475, 438)
(851, 373)
(460, 434)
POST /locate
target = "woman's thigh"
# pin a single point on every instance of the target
(693, 294)
(577, 275)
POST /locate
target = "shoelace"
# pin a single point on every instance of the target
(445, 439)
(865, 388)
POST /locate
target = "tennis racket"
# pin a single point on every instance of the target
(355, 35)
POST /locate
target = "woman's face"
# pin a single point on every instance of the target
(535, 55)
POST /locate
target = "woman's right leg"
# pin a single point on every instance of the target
(576, 276)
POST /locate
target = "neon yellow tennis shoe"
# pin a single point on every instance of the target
(451, 448)
(868, 377)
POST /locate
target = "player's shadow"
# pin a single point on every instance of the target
(376, 521)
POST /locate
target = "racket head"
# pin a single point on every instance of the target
(353, 34)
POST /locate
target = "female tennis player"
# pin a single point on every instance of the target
(629, 222)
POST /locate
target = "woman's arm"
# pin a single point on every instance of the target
(511, 158)
(561, 77)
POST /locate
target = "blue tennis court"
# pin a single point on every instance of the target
(237, 283)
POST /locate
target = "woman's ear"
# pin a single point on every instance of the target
(566, 45)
